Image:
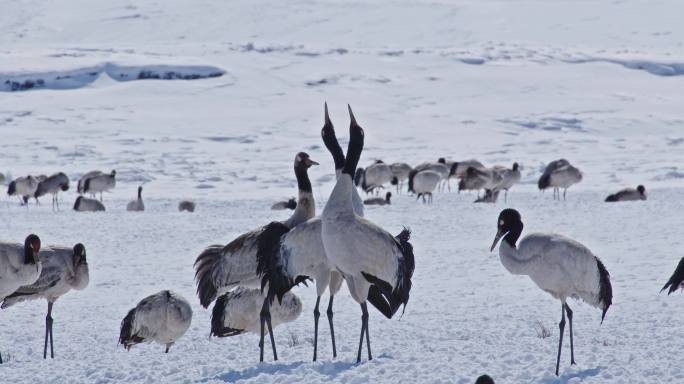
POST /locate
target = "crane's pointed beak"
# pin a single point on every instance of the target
(310, 162)
(499, 235)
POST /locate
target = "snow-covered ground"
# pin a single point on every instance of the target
(599, 83)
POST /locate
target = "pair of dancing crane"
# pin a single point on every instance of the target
(341, 244)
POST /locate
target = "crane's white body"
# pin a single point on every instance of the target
(628, 194)
(163, 318)
(509, 177)
(100, 183)
(401, 172)
(558, 265)
(86, 176)
(565, 176)
(355, 245)
(425, 182)
(242, 308)
(59, 274)
(24, 187)
(559, 174)
(376, 176)
(53, 185)
(13, 272)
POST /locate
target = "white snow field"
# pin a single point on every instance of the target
(211, 101)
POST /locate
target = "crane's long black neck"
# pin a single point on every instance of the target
(330, 141)
(515, 229)
(139, 193)
(29, 257)
(354, 150)
(302, 175)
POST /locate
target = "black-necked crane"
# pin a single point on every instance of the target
(19, 266)
(476, 179)
(287, 257)
(374, 177)
(102, 182)
(379, 200)
(559, 174)
(163, 318)
(400, 173)
(186, 205)
(628, 194)
(459, 168)
(440, 167)
(53, 185)
(423, 183)
(81, 182)
(84, 204)
(221, 268)
(239, 311)
(364, 253)
(24, 188)
(63, 269)
(136, 205)
(509, 177)
(560, 266)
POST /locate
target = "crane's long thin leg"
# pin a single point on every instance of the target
(317, 314)
(364, 308)
(0, 357)
(262, 319)
(266, 318)
(572, 347)
(506, 196)
(48, 333)
(561, 326)
(329, 312)
(363, 330)
(564, 191)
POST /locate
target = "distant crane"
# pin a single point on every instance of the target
(559, 174)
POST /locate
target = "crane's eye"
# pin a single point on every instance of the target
(501, 223)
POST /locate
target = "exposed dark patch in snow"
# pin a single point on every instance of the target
(231, 139)
(652, 67)
(670, 175)
(81, 77)
(548, 123)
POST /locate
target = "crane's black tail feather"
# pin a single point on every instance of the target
(676, 279)
(605, 288)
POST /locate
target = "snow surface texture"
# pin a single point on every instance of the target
(501, 81)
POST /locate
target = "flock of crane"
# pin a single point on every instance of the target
(249, 280)
(91, 183)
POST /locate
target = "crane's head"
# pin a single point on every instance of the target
(31, 249)
(509, 219)
(79, 254)
(302, 160)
